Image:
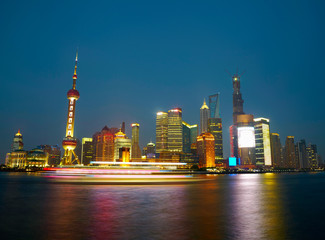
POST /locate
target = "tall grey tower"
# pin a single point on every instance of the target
(215, 125)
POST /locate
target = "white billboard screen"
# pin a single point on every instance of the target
(246, 137)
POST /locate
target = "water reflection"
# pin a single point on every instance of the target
(244, 206)
(256, 207)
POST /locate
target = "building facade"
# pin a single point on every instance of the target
(290, 153)
(122, 147)
(205, 150)
(103, 145)
(161, 132)
(204, 116)
(175, 130)
(246, 139)
(263, 154)
(136, 151)
(276, 151)
(87, 151)
(189, 136)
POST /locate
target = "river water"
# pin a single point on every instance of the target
(239, 206)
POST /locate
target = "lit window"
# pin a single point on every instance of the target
(71, 101)
(71, 108)
(69, 133)
(69, 126)
(70, 114)
(70, 120)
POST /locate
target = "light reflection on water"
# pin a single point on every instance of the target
(244, 206)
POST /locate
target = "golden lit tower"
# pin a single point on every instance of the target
(69, 143)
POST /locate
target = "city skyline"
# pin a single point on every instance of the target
(122, 81)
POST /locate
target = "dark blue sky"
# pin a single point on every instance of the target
(140, 57)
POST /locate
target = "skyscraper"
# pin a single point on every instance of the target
(189, 136)
(69, 143)
(312, 156)
(87, 151)
(214, 105)
(262, 142)
(276, 149)
(302, 154)
(289, 154)
(204, 116)
(136, 151)
(205, 150)
(237, 110)
(161, 132)
(103, 145)
(122, 146)
(246, 139)
(175, 131)
(215, 125)
(237, 98)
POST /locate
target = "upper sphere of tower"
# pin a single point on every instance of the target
(74, 76)
(73, 93)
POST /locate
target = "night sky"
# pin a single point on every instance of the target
(140, 57)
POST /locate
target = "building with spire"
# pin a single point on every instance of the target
(238, 109)
(122, 147)
(17, 143)
(69, 143)
(215, 125)
(204, 117)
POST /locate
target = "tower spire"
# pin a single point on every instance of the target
(74, 77)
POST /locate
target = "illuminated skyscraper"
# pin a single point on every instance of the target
(276, 148)
(161, 132)
(246, 139)
(87, 151)
(103, 144)
(289, 153)
(237, 110)
(204, 116)
(237, 98)
(262, 142)
(17, 144)
(136, 151)
(175, 131)
(205, 150)
(215, 125)
(312, 156)
(69, 143)
(189, 136)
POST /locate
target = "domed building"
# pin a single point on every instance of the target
(36, 158)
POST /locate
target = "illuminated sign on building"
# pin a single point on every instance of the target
(246, 137)
(232, 161)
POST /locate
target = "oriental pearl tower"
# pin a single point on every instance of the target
(69, 143)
